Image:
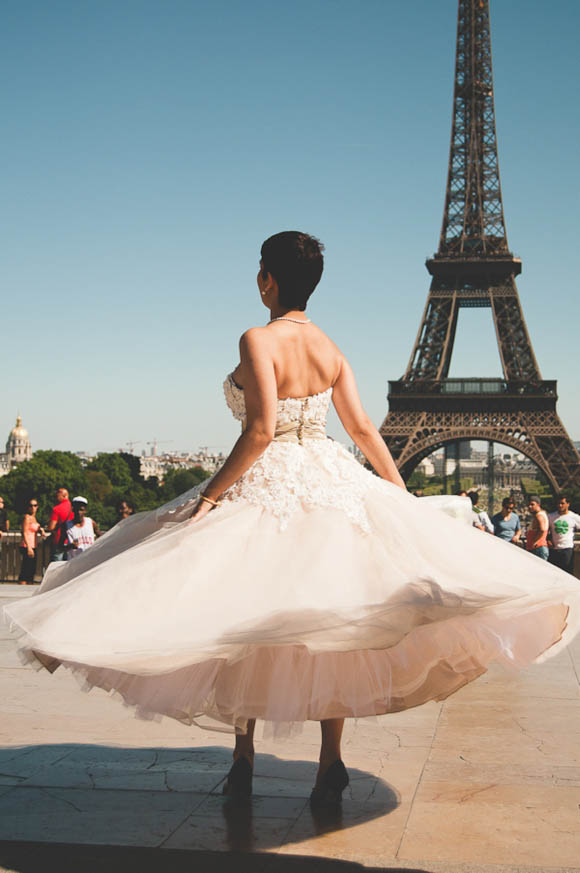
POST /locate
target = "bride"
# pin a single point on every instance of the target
(294, 584)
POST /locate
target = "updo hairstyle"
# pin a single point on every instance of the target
(295, 261)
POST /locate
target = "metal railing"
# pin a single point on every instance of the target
(546, 388)
(10, 557)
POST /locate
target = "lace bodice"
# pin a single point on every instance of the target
(312, 410)
(301, 468)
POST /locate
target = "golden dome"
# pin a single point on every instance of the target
(18, 432)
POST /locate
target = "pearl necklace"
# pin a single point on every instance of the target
(295, 320)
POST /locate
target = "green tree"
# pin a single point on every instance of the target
(114, 466)
(417, 480)
(108, 479)
(100, 485)
(134, 464)
(41, 477)
(176, 482)
(433, 488)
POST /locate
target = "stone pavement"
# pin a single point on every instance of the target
(485, 782)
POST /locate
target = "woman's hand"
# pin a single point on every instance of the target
(30, 553)
(200, 510)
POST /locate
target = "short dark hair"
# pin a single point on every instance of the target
(474, 497)
(507, 500)
(563, 497)
(295, 261)
(534, 498)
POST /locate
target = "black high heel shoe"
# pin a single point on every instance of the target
(239, 780)
(332, 784)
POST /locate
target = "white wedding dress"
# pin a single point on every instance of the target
(316, 590)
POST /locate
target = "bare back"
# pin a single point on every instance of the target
(289, 359)
(305, 360)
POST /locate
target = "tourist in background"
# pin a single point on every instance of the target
(537, 533)
(124, 510)
(481, 519)
(81, 531)
(506, 523)
(562, 526)
(61, 513)
(4, 522)
(31, 530)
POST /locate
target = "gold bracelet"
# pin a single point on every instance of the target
(214, 503)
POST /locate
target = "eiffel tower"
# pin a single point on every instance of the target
(474, 267)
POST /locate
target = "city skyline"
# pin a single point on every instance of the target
(151, 153)
(152, 449)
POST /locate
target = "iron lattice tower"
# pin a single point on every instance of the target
(474, 267)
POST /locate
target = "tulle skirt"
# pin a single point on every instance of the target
(237, 617)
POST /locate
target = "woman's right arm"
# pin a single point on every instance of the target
(261, 399)
(360, 428)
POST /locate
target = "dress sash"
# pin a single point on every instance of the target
(297, 431)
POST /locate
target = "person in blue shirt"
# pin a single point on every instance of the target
(506, 523)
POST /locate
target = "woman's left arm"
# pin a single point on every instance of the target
(261, 396)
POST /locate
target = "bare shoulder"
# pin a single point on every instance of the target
(254, 337)
(331, 346)
(253, 334)
(332, 354)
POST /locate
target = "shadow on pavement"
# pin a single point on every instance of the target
(66, 801)
(41, 858)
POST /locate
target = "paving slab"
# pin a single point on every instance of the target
(487, 781)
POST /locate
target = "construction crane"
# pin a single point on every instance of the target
(154, 443)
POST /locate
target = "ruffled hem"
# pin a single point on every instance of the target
(231, 619)
(291, 684)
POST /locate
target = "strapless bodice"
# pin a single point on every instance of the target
(297, 419)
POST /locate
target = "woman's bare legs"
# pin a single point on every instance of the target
(244, 747)
(331, 730)
(238, 782)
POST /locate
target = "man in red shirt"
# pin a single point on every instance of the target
(61, 513)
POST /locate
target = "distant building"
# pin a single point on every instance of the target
(209, 461)
(18, 448)
(157, 465)
(152, 466)
(427, 466)
(440, 468)
(508, 471)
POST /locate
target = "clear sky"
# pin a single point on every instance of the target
(149, 148)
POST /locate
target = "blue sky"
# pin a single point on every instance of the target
(150, 147)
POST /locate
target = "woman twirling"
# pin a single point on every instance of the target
(296, 585)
